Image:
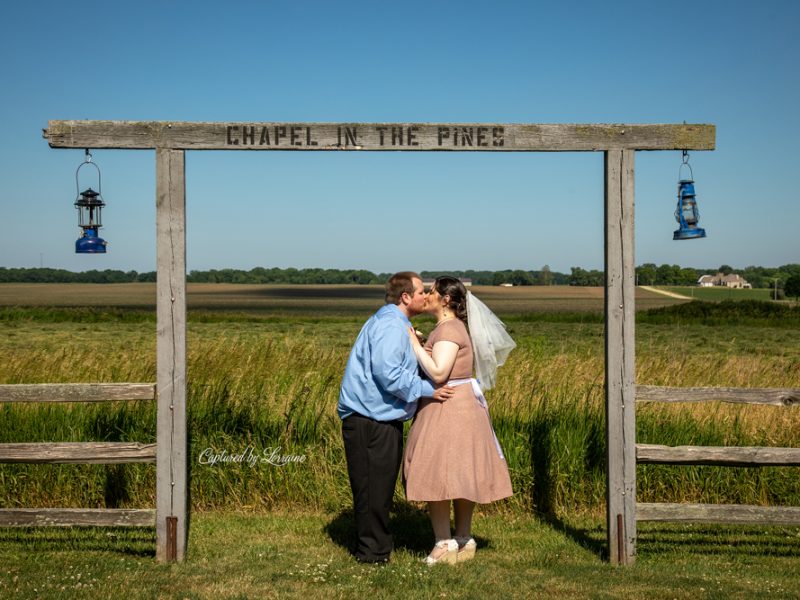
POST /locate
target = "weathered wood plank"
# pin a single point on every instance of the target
(718, 513)
(734, 456)
(491, 137)
(171, 468)
(620, 356)
(100, 453)
(775, 396)
(67, 517)
(76, 392)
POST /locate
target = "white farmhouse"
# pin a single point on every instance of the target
(730, 281)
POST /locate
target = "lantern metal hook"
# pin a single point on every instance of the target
(88, 161)
(685, 162)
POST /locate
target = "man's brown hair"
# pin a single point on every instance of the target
(399, 283)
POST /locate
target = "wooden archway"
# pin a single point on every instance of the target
(170, 140)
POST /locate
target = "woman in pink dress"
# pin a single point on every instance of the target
(452, 454)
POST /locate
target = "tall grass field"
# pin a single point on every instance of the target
(264, 369)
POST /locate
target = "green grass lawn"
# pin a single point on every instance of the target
(305, 555)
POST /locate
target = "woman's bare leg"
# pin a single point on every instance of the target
(463, 516)
(440, 519)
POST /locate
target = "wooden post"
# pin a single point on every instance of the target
(620, 357)
(171, 467)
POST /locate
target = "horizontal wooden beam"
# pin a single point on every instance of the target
(65, 517)
(718, 513)
(462, 137)
(76, 392)
(101, 453)
(733, 456)
(774, 396)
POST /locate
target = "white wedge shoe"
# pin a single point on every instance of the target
(466, 548)
(448, 556)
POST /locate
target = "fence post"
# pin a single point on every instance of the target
(171, 466)
(620, 387)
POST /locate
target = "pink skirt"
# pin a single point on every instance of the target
(451, 452)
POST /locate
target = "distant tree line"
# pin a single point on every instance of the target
(275, 275)
(646, 274)
(291, 275)
(46, 275)
(515, 277)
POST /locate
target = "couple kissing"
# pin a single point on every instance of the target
(452, 455)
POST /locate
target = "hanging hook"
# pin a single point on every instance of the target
(685, 161)
(88, 161)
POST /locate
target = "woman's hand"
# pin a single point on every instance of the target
(415, 337)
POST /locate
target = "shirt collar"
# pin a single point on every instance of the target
(393, 308)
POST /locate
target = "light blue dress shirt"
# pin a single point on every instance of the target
(381, 380)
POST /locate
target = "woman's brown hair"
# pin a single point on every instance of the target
(451, 286)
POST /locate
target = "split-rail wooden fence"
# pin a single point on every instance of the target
(728, 456)
(77, 452)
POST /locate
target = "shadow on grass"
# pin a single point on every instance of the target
(117, 540)
(662, 540)
(596, 544)
(410, 527)
(543, 490)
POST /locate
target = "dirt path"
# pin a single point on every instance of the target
(664, 292)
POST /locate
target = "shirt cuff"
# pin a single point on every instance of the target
(427, 389)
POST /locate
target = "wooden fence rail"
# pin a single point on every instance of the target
(773, 396)
(95, 453)
(77, 392)
(66, 517)
(731, 456)
(718, 513)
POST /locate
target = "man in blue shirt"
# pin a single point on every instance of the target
(380, 389)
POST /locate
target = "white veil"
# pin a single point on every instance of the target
(491, 344)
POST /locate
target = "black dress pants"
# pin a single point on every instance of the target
(374, 450)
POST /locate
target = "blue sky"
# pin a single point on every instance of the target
(733, 64)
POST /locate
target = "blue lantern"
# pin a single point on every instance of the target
(90, 205)
(686, 214)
